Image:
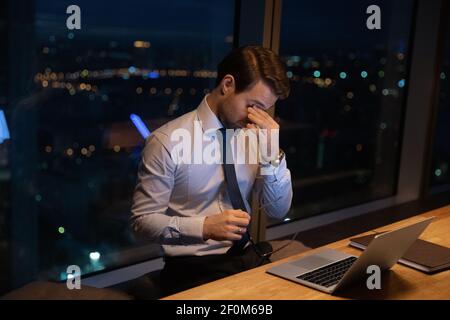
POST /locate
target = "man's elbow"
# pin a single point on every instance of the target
(141, 231)
(282, 210)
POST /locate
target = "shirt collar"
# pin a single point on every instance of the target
(208, 119)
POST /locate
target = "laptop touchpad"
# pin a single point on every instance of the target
(312, 262)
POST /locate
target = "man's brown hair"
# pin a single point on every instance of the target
(252, 63)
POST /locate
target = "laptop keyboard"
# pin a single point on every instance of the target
(329, 275)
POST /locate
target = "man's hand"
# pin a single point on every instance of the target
(229, 225)
(262, 120)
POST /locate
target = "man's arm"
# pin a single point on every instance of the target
(151, 198)
(275, 181)
(275, 190)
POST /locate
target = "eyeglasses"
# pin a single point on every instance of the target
(261, 207)
(267, 254)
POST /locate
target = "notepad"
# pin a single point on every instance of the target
(422, 255)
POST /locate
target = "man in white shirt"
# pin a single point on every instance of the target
(189, 207)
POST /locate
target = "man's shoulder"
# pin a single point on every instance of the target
(164, 133)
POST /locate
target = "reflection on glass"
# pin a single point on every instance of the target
(341, 124)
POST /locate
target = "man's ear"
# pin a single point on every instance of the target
(227, 85)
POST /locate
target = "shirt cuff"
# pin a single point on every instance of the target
(272, 173)
(192, 228)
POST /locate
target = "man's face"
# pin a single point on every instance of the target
(234, 113)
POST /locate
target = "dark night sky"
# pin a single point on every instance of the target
(329, 25)
(164, 15)
(341, 23)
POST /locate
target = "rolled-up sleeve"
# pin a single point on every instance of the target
(275, 190)
(155, 182)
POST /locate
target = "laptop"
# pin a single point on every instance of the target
(329, 270)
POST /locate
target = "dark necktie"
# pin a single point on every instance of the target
(233, 189)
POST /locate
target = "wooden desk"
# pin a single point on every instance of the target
(398, 283)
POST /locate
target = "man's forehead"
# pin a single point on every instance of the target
(263, 94)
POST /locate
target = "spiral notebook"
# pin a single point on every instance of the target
(422, 255)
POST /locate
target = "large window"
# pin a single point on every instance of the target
(440, 166)
(341, 127)
(74, 109)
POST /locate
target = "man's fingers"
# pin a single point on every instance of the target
(236, 229)
(233, 236)
(251, 126)
(240, 222)
(240, 214)
(256, 118)
(262, 122)
(256, 114)
(263, 113)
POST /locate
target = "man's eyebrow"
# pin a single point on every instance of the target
(259, 102)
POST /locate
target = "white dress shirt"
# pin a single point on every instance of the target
(172, 200)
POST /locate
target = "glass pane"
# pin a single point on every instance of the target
(74, 110)
(341, 125)
(440, 168)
